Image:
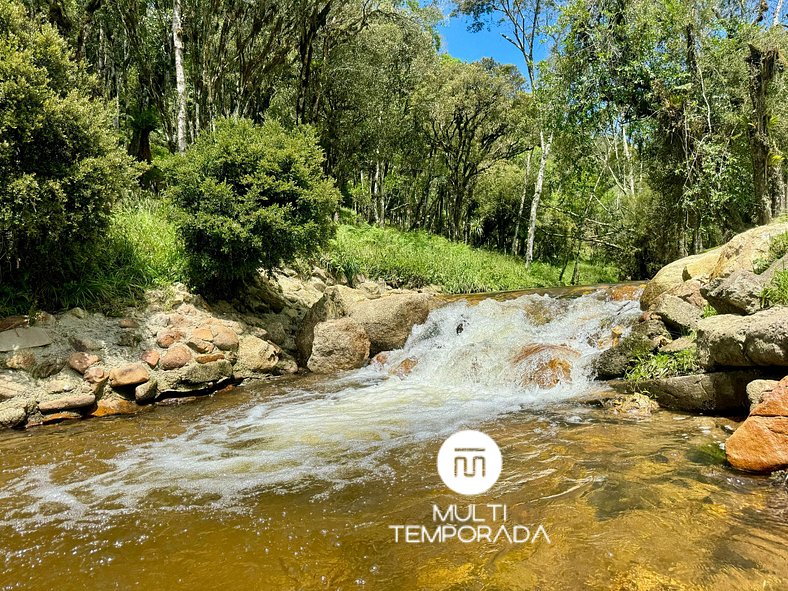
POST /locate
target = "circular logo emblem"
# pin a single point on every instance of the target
(469, 462)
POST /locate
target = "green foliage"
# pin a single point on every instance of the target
(251, 197)
(776, 293)
(664, 365)
(60, 166)
(417, 259)
(709, 311)
(778, 248)
(140, 250)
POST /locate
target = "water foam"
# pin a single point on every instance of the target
(342, 432)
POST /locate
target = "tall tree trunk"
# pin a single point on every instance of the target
(777, 13)
(180, 75)
(763, 65)
(529, 253)
(516, 236)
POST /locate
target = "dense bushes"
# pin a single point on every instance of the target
(60, 165)
(251, 197)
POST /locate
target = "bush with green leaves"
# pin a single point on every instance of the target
(60, 164)
(251, 197)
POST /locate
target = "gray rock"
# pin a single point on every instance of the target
(11, 388)
(388, 321)
(147, 391)
(744, 341)
(678, 345)
(706, 392)
(12, 415)
(205, 373)
(645, 338)
(24, 337)
(738, 293)
(255, 357)
(338, 345)
(47, 367)
(678, 314)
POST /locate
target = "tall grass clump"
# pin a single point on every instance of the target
(416, 259)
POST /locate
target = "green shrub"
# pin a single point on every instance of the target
(60, 165)
(251, 197)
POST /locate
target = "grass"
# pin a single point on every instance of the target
(778, 248)
(418, 259)
(664, 365)
(140, 251)
(776, 293)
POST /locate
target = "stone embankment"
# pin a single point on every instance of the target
(176, 347)
(710, 307)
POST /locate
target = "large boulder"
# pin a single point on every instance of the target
(760, 444)
(388, 321)
(674, 274)
(743, 341)
(677, 314)
(745, 249)
(737, 293)
(255, 357)
(336, 302)
(339, 344)
(706, 392)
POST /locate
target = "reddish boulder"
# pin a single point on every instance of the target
(175, 357)
(129, 375)
(80, 361)
(544, 365)
(151, 357)
(166, 338)
(760, 444)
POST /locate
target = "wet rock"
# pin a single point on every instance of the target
(706, 392)
(23, 360)
(646, 336)
(24, 337)
(67, 403)
(545, 366)
(129, 375)
(388, 321)
(146, 392)
(80, 361)
(286, 364)
(225, 338)
(255, 357)
(625, 293)
(738, 293)
(205, 373)
(405, 367)
(742, 341)
(59, 417)
(760, 444)
(114, 406)
(151, 357)
(176, 357)
(637, 404)
(175, 401)
(677, 314)
(338, 345)
(47, 367)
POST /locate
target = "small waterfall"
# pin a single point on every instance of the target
(467, 365)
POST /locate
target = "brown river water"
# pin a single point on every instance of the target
(295, 483)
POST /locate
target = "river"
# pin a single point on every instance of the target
(296, 483)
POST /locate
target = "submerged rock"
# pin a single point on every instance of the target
(544, 365)
(339, 344)
(637, 404)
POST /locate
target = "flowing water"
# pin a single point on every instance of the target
(294, 484)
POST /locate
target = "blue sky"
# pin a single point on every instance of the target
(469, 47)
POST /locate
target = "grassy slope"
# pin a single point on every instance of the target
(416, 259)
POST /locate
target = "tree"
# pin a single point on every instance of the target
(60, 165)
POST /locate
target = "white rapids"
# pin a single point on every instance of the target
(462, 370)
